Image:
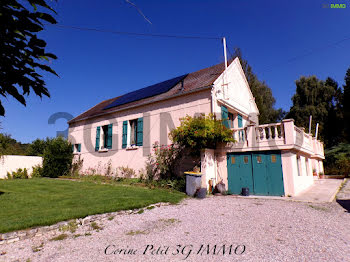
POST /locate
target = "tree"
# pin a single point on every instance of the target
(321, 99)
(334, 124)
(21, 52)
(10, 146)
(263, 94)
(37, 147)
(346, 105)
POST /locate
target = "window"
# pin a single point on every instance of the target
(240, 121)
(230, 120)
(132, 133)
(103, 137)
(224, 116)
(307, 166)
(76, 148)
(240, 125)
(298, 165)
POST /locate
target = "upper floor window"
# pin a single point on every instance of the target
(240, 121)
(230, 120)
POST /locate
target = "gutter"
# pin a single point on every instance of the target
(143, 104)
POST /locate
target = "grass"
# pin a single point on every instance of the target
(59, 237)
(106, 179)
(71, 226)
(94, 226)
(137, 232)
(170, 221)
(319, 208)
(41, 201)
(38, 248)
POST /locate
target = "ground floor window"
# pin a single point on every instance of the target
(307, 166)
(299, 166)
(133, 132)
(76, 148)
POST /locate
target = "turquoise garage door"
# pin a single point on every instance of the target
(261, 172)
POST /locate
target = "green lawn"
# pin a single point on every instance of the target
(26, 203)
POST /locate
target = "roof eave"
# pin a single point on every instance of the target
(142, 104)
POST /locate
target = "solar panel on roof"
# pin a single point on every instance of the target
(146, 92)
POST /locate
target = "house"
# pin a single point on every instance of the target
(273, 159)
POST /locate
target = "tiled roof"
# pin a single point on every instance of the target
(192, 82)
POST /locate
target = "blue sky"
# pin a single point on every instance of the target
(95, 66)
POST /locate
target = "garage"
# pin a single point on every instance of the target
(261, 172)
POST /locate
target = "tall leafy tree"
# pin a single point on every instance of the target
(262, 92)
(334, 124)
(22, 53)
(346, 105)
(321, 99)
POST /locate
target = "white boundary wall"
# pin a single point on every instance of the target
(11, 163)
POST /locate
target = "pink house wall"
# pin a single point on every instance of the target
(158, 119)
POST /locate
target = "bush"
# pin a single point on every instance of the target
(201, 132)
(178, 183)
(76, 167)
(161, 164)
(125, 172)
(37, 171)
(58, 157)
(18, 174)
(337, 160)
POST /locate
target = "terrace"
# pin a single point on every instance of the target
(277, 136)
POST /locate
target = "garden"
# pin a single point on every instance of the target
(59, 190)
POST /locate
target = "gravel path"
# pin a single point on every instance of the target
(270, 230)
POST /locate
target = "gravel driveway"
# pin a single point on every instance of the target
(250, 229)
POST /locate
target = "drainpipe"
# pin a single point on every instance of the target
(212, 99)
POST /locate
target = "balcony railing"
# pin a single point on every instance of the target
(276, 136)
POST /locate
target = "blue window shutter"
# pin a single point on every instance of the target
(97, 146)
(79, 147)
(224, 116)
(72, 148)
(125, 133)
(240, 123)
(139, 137)
(109, 136)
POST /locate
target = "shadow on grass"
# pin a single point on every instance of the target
(344, 203)
(1, 193)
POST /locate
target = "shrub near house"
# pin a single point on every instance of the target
(196, 133)
(58, 157)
